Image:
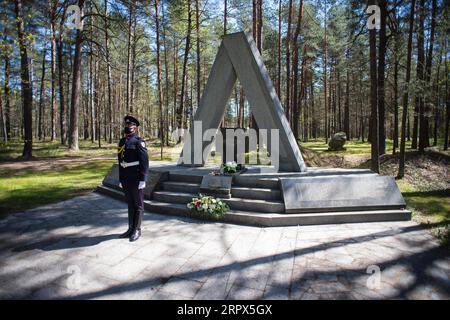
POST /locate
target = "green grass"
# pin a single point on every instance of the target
(25, 189)
(430, 208)
(353, 147)
(46, 149)
(21, 190)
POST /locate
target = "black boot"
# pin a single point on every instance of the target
(129, 232)
(136, 235)
(137, 225)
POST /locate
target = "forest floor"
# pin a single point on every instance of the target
(57, 174)
(425, 186)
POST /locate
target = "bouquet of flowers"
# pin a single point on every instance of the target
(208, 206)
(230, 168)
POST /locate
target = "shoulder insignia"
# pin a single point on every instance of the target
(143, 144)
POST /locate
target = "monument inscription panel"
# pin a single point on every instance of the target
(219, 186)
(340, 193)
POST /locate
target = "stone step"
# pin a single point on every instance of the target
(234, 203)
(173, 197)
(262, 206)
(173, 209)
(256, 193)
(176, 186)
(273, 219)
(179, 177)
(256, 182)
(278, 220)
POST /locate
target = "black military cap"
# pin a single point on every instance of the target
(131, 119)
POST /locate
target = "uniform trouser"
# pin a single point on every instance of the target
(135, 200)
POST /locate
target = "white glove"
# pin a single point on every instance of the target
(120, 185)
(141, 185)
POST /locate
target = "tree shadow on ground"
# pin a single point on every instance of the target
(417, 263)
(68, 242)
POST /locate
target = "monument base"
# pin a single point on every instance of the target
(263, 197)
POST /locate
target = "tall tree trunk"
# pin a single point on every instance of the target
(375, 162)
(338, 98)
(325, 75)
(97, 102)
(129, 52)
(41, 96)
(27, 95)
(166, 75)
(447, 104)
(401, 168)
(181, 110)
(91, 96)
(158, 65)
(133, 67)
(175, 83)
(381, 75)
(395, 102)
(260, 25)
(225, 14)
(53, 6)
(347, 106)
(361, 102)
(2, 118)
(279, 52)
(256, 30)
(76, 86)
(91, 76)
(437, 98)
(288, 63)
(254, 19)
(7, 95)
(296, 98)
(241, 122)
(313, 111)
(197, 29)
(301, 96)
(423, 134)
(62, 105)
(108, 74)
(418, 110)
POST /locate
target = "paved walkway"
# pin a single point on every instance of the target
(70, 250)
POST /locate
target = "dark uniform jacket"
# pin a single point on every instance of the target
(132, 149)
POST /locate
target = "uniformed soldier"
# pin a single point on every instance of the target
(133, 168)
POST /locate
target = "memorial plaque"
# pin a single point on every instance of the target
(340, 193)
(218, 186)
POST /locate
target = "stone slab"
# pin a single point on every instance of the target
(216, 185)
(340, 193)
(112, 178)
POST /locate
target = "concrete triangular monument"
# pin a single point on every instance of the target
(239, 58)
